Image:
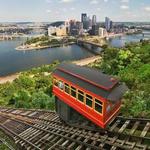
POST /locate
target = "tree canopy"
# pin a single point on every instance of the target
(33, 89)
(132, 65)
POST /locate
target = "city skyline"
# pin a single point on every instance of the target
(53, 10)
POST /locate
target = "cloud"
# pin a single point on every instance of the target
(105, 0)
(125, 1)
(48, 11)
(94, 2)
(131, 14)
(97, 1)
(147, 9)
(66, 1)
(98, 9)
(57, 12)
(124, 7)
(48, 1)
(72, 8)
(64, 10)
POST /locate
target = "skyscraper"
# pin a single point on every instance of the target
(83, 17)
(76, 27)
(84, 20)
(111, 24)
(94, 20)
(94, 30)
(108, 24)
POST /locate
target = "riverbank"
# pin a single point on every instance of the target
(86, 61)
(30, 47)
(6, 39)
(82, 62)
(9, 78)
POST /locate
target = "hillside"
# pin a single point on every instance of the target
(33, 88)
(132, 65)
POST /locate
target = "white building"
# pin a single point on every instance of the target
(102, 32)
(51, 30)
(61, 30)
(58, 31)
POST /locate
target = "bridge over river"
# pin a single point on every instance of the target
(80, 42)
(91, 46)
(146, 33)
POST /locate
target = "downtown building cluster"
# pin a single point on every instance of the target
(87, 26)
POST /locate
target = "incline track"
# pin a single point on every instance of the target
(42, 130)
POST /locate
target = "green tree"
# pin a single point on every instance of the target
(132, 65)
(40, 100)
(25, 82)
(21, 99)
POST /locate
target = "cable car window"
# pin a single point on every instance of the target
(55, 81)
(80, 96)
(89, 100)
(73, 91)
(98, 106)
(61, 84)
(67, 88)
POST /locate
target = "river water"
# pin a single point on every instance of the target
(121, 41)
(12, 61)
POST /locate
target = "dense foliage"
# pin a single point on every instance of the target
(43, 41)
(47, 41)
(132, 65)
(37, 39)
(33, 89)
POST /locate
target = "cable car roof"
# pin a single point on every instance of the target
(92, 80)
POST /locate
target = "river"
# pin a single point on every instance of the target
(121, 41)
(12, 61)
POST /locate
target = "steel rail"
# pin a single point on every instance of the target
(48, 123)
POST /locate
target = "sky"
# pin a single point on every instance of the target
(60, 10)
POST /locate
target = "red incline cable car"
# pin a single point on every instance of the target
(91, 93)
